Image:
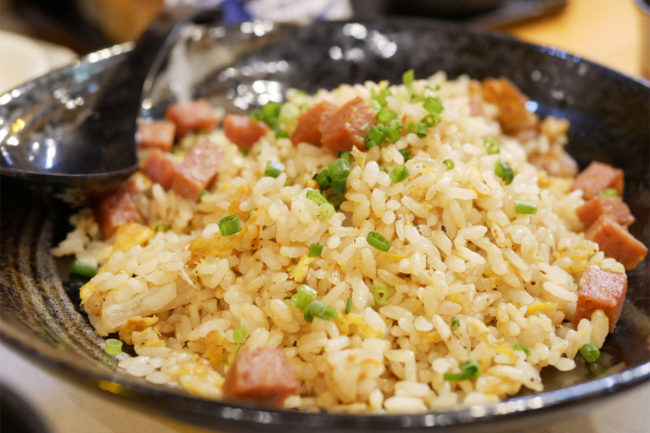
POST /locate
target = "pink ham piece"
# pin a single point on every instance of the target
(242, 130)
(116, 210)
(342, 130)
(308, 127)
(158, 134)
(601, 290)
(613, 207)
(598, 177)
(261, 375)
(615, 241)
(192, 116)
(197, 169)
(159, 168)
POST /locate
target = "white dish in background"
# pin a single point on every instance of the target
(25, 58)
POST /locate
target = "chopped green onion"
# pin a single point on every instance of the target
(239, 335)
(315, 250)
(433, 87)
(524, 207)
(422, 130)
(273, 169)
(113, 346)
(430, 119)
(83, 269)
(381, 293)
(503, 170)
(348, 305)
(392, 132)
(308, 317)
(455, 323)
(381, 97)
(596, 369)
(229, 225)
(374, 307)
(203, 193)
(375, 105)
(326, 210)
(316, 197)
(470, 370)
(378, 241)
(271, 109)
(245, 152)
(323, 180)
(281, 133)
(289, 111)
(269, 114)
(412, 128)
(303, 297)
(523, 348)
(433, 105)
(346, 155)
(406, 154)
(320, 310)
(609, 192)
(407, 79)
(385, 116)
(374, 136)
(161, 227)
(449, 164)
(491, 145)
(399, 173)
(590, 352)
(339, 168)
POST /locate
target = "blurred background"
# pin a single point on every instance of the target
(606, 31)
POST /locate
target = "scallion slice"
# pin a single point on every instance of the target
(406, 154)
(449, 163)
(348, 305)
(455, 323)
(503, 170)
(229, 225)
(339, 168)
(524, 207)
(374, 136)
(281, 133)
(385, 116)
(407, 79)
(161, 227)
(523, 348)
(320, 310)
(239, 335)
(289, 111)
(346, 155)
(83, 269)
(315, 250)
(316, 197)
(303, 297)
(470, 370)
(326, 210)
(433, 105)
(378, 241)
(273, 169)
(491, 145)
(380, 293)
(113, 346)
(399, 173)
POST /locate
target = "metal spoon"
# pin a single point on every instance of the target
(97, 150)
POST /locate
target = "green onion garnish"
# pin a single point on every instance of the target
(229, 225)
(316, 197)
(381, 97)
(308, 317)
(378, 241)
(609, 192)
(348, 305)
(289, 111)
(385, 116)
(430, 119)
(203, 193)
(239, 335)
(399, 173)
(339, 168)
(491, 146)
(421, 130)
(83, 269)
(406, 154)
(281, 133)
(346, 155)
(381, 293)
(524, 207)
(374, 136)
(273, 169)
(113, 346)
(470, 370)
(449, 164)
(503, 170)
(433, 87)
(523, 348)
(326, 210)
(245, 151)
(455, 323)
(303, 297)
(433, 105)
(407, 79)
(590, 352)
(315, 250)
(323, 180)
(320, 310)
(161, 227)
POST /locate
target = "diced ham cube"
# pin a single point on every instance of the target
(613, 207)
(555, 162)
(598, 177)
(342, 130)
(116, 210)
(159, 168)
(197, 169)
(262, 375)
(308, 127)
(601, 290)
(158, 134)
(242, 130)
(193, 116)
(513, 116)
(615, 241)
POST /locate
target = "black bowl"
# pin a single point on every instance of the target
(609, 115)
